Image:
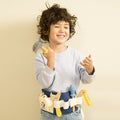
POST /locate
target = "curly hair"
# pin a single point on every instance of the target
(51, 16)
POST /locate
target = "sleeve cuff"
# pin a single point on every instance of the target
(91, 75)
(93, 71)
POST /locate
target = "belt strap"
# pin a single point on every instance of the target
(72, 102)
(65, 103)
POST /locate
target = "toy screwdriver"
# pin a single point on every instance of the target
(72, 94)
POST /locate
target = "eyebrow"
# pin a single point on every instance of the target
(66, 24)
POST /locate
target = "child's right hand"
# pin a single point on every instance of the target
(50, 56)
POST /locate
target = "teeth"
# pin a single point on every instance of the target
(61, 35)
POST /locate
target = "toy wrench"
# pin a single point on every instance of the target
(56, 98)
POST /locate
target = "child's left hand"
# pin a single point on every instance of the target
(88, 64)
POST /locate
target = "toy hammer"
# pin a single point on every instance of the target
(39, 45)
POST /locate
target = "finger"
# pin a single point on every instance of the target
(89, 56)
(84, 60)
(88, 59)
(87, 64)
(48, 48)
(45, 55)
(43, 48)
(82, 64)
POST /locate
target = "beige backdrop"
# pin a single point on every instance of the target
(98, 30)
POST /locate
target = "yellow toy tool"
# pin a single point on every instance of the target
(56, 98)
(87, 101)
(45, 50)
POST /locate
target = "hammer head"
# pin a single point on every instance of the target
(37, 45)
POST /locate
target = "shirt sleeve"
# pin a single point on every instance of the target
(83, 75)
(43, 73)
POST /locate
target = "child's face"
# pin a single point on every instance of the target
(59, 32)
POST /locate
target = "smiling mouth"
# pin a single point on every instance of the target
(61, 36)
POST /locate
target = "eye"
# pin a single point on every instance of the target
(56, 26)
(66, 27)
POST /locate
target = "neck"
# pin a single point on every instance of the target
(58, 48)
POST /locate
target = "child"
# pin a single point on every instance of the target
(61, 66)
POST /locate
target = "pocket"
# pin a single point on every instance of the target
(75, 116)
(78, 112)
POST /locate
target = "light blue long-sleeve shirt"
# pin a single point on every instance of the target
(68, 70)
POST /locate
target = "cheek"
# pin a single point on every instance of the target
(53, 31)
(68, 33)
(52, 34)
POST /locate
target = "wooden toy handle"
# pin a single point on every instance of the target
(45, 50)
(56, 98)
(84, 94)
(73, 108)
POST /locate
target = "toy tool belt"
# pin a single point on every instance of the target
(53, 102)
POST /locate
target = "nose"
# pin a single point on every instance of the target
(61, 29)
